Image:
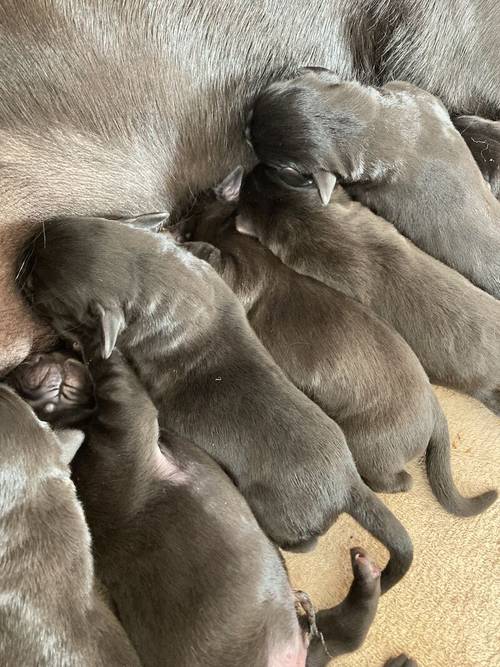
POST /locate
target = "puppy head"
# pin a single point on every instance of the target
(212, 214)
(311, 127)
(268, 198)
(83, 273)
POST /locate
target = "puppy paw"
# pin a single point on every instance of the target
(365, 571)
(57, 387)
(306, 613)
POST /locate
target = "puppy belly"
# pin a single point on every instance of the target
(293, 654)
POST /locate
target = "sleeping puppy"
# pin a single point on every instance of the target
(213, 382)
(348, 360)
(192, 576)
(453, 327)
(401, 156)
(482, 136)
(50, 613)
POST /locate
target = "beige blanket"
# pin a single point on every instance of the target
(446, 611)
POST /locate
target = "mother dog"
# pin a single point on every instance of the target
(116, 107)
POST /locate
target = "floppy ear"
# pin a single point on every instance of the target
(149, 222)
(112, 324)
(69, 440)
(229, 189)
(325, 182)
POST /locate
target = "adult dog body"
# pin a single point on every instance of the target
(111, 107)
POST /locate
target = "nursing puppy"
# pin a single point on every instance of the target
(453, 327)
(213, 382)
(483, 138)
(50, 613)
(348, 360)
(401, 156)
(192, 576)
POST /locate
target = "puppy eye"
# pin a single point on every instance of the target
(294, 178)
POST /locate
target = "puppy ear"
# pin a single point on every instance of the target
(325, 182)
(69, 440)
(229, 189)
(112, 324)
(149, 222)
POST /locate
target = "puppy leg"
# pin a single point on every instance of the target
(389, 483)
(115, 470)
(401, 661)
(58, 387)
(344, 627)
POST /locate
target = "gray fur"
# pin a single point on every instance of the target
(398, 152)
(452, 326)
(128, 106)
(51, 612)
(348, 360)
(169, 527)
(188, 338)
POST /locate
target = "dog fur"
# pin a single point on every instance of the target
(452, 326)
(51, 611)
(396, 150)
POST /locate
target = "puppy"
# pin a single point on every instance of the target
(348, 360)
(482, 136)
(193, 578)
(399, 152)
(453, 327)
(212, 381)
(51, 613)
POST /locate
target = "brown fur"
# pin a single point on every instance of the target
(121, 107)
(452, 326)
(169, 529)
(212, 381)
(398, 152)
(348, 360)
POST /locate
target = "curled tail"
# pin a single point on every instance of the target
(371, 513)
(437, 461)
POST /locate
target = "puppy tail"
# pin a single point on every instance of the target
(371, 513)
(437, 461)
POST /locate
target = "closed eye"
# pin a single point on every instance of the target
(294, 178)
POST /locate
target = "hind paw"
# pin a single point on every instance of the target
(57, 387)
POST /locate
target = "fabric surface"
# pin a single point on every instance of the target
(446, 611)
